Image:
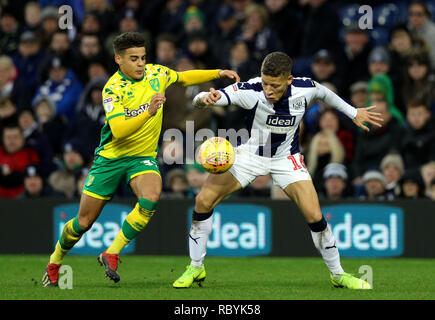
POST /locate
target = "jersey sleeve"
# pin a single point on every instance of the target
(112, 102)
(329, 97)
(239, 94)
(170, 76)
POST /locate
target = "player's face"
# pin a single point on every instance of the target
(132, 62)
(275, 87)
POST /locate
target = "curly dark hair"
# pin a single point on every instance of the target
(128, 40)
(276, 64)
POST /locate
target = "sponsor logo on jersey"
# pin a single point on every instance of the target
(280, 123)
(299, 103)
(135, 112)
(108, 104)
(235, 88)
(155, 84)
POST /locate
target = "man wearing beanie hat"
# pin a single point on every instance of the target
(374, 184)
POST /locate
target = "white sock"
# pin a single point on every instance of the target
(198, 237)
(325, 243)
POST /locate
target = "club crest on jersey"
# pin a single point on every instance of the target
(299, 103)
(155, 84)
(108, 104)
(135, 112)
(280, 123)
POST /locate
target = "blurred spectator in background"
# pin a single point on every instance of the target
(372, 146)
(240, 8)
(176, 184)
(259, 188)
(353, 57)
(427, 172)
(259, 37)
(62, 87)
(129, 22)
(195, 175)
(10, 86)
(419, 24)
(374, 185)
(32, 17)
(380, 91)
(14, 159)
(64, 180)
(89, 117)
(241, 62)
(358, 94)
(60, 46)
(329, 120)
(37, 140)
(105, 13)
(199, 51)
(324, 148)
(35, 186)
(166, 50)
(49, 24)
(324, 69)
(178, 105)
(418, 82)
(319, 28)
(225, 35)
(9, 31)
(418, 142)
(170, 18)
(97, 67)
(89, 50)
(411, 185)
(392, 168)
(8, 113)
(379, 61)
(280, 14)
(50, 123)
(400, 48)
(27, 60)
(334, 182)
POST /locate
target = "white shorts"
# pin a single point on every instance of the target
(284, 171)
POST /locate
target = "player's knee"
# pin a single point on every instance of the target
(152, 196)
(85, 222)
(204, 201)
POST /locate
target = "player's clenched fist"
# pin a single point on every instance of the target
(211, 97)
(156, 102)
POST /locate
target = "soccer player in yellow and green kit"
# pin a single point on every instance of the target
(133, 99)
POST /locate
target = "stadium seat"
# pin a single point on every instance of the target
(348, 14)
(387, 15)
(431, 7)
(379, 36)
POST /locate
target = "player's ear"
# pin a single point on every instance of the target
(118, 59)
(290, 79)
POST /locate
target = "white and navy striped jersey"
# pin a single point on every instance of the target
(273, 128)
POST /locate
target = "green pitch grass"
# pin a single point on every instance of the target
(265, 278)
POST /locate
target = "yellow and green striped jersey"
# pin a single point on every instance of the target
(125, 97)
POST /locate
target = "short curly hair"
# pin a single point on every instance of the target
(128, 40)
(276, 64)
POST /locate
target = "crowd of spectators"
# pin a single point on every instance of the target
(51, 79)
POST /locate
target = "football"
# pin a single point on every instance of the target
(216, 155)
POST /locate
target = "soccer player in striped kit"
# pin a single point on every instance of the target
(276, 103)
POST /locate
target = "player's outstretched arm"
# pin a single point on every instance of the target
(359, 116)
(122, 127)
(364, 115)
(209, 99)
(192, 77)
